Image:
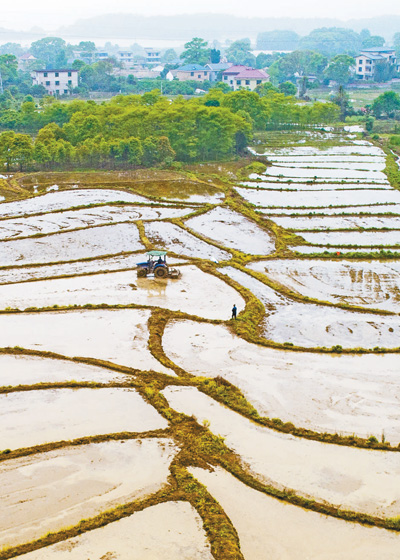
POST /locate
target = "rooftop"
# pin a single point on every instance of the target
(235, 69)
(372, 56)
(219, 65)
(58, 70)
(377, 50)
(249, 73)
(192, 68)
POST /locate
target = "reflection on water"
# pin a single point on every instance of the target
(153, 286)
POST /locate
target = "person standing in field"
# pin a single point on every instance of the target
(234, 311)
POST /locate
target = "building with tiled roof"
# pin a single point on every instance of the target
(367, 60)
(240, 76)
(194, 72)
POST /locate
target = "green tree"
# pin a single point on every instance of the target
(50, 50)
(262, 60)
(15, 149)
(298, 64)
(9, 69)
(373, 41)
(215, 56)
(339, 69)
(239, 52)
(78, 64)
(396, 43)
(11, 48)
(288, 88)
(86, 47)
(387, 103)
(331, 41)
(196, 52)
(384, 71)
(342, 100)
(266, 89)
(169, 55)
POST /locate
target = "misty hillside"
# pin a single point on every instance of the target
(213, 26)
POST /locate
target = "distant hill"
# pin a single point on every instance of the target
(11, 35)
(212, 26)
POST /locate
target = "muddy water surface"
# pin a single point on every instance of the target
(357, 479)
(123, 288)
(231, 229)
(28, 370)
(53, 490)
(273, 530)
(70, 246)
(117, 336)
(166, 531)
(368, 283)
(349, 394)
(31, 418)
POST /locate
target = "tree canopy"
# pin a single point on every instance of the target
(239, 52)
(53, 51)
(387, 104)
(196, 52)
(300, 63)
(133, 130)
(332, 40)
(338, 69)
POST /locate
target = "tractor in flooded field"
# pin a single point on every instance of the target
(156, 264)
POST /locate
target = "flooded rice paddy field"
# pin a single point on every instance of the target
(174, 238)
(354, 238)
(66, 199)
(72, 246)
(347, 394)
(338, 251)
(338, 222)
(309, 325)
(383, 209)
(116, 336)
(366, 284)
(357, 479)
(169, 531)
(232, 230)
(52, 490)
(28, 370)
(318, 199)
(312, 186)
(127, 404)
(95, 265)
(62, 221)
(124, 288)
(30, 418)
(287, 532)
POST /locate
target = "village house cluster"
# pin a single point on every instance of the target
(149, 66)
(63, 81)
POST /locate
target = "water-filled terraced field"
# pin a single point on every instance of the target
(139, 419)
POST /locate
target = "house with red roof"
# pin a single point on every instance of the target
(239, 76)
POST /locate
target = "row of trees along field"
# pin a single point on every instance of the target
(134, 130)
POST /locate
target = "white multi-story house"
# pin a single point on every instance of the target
(125, 57)
(153, 56)
(367, 60)
(56, 82)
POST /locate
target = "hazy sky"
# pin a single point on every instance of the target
(48, 14)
